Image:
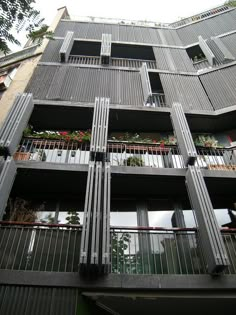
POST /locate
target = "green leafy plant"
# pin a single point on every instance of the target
(79, 136)
(206, 141)
(134, 161)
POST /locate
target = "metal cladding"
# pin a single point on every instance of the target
(105, 49)
(82, 84)
(100, 125)
(183, 134)
(207, 51)
(15, 123)
(210, 236)
(51, 53)
(214, 26)
(7, 176)
(28, 300)
(119, 32)
(147, 91)
(181, 36)
(173, 59)
(220, 87)
(186, 90)
(66, 47)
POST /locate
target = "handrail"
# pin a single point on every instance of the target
(158, 228)
(79, 226)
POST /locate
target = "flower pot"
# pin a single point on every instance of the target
(22, 156)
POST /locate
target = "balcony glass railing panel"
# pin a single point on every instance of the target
(53, 151)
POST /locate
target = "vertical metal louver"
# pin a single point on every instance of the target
(85, 239)
(105, 49)
(67, 44)
(206, 50)
(100, 125)
(224, 50)
(7, 176)
(210, 236)
(147, 90)
(95, 242)
(15, 123)
(183, 134)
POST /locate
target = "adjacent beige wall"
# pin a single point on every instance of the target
(25, 71)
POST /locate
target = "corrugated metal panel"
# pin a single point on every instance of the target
(173, 59)
(84, 84)
(221, 87)
(186, 90)
(124, 33)
(51, 53)
(230, 43)
(214, 26)
(38, 300)
(40, 81)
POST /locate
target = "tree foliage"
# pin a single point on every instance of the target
(21, 16)
(231, 3)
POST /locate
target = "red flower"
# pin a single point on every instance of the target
(154, 141)
(67, 138)
(63, 133)
(162, 145)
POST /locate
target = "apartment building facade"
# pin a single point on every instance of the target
(118, 170)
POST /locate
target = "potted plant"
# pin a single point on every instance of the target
(133, 161)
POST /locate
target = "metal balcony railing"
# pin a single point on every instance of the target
(200, 16)
(39, 247)
(216, 158)
(156, 251)
(146, 155)
(157, 100)
(54, 151)
(115, 62)
(163, 251)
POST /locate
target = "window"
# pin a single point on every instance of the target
(132, 52)
(86, 48)
(196, 54)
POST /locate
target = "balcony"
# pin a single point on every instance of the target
(163, 251)
(56, 248)
(39, 247)
(115, 62)
(53, 151)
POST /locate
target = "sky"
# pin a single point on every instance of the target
(150, 10)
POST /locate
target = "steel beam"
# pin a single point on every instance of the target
(206, 50)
